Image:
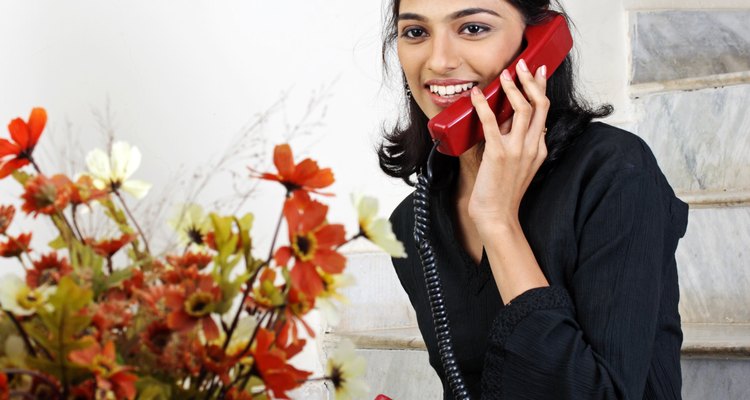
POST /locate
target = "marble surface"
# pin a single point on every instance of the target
(712, 261)
(376, 300)
(701, 139)
(715, 379)
(668, 45)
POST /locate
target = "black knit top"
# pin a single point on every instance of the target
(604, 225)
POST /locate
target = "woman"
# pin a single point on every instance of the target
(555, 238)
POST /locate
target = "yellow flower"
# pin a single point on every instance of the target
(378, 230)
(345, 369)
(19, 299)
(191, 223)
(113, 172)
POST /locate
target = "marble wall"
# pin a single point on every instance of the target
(676, 44)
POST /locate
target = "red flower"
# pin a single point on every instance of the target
(192, 302)
(306, 175)
(108, 247)
(48, 270)
(157, 336)
(238, 394)
(83, 191)
(216, 360)
(187, 260)
(6, 217)
(111, 314)
(109, 375)
(46, 195)
(313, 243)
(25, 135)
(4, 390)
(271, 359)
(15, 246)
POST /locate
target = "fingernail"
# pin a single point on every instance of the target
(522, 64)
(544, 71)
(506, 75)
(475, 90)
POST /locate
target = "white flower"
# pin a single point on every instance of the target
(379, 230)
(191, 223)
(345, 369)
(325, 303)
(113, 171)
(20, 299)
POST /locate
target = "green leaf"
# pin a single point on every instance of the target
(58, 244)
(64, 321)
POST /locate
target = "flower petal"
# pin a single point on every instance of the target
(7, 148)
(137, 188)
(381, 233)
(330, 236)
(282, 158)
(330, 261)
(12, 165)
(37, 121)
(120, 157)
(97, 162)
(19, 132)
(134, 161)
(367, 208)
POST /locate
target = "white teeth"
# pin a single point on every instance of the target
(451, 89)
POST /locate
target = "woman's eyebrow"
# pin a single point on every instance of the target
(414, 16)
(472, 11)
(456, 15)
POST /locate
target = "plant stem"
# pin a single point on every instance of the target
(358, 235)
(36, 167)
(250, 281)
(138, 227)
(37, 375)
(23, 333)
(75, 222)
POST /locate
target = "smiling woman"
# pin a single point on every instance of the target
(555, 236)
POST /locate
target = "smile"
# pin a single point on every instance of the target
(451, 90)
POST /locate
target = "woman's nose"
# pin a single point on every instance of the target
(443, 56)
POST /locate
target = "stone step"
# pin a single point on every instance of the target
(715, 361)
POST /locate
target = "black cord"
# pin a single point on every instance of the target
(432, 280)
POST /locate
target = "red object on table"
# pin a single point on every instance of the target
(383, 397)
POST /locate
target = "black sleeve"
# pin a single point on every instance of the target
(595, 338)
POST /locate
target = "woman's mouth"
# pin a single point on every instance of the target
(443, 94)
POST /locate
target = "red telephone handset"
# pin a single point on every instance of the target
(458, 127)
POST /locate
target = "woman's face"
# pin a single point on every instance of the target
(447, 46)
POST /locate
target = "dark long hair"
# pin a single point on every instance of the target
(405, 147)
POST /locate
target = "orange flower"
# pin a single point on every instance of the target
(109, 375)
(25, 135)
(238, 394)
(271, 360)
(187, 260)
(83, 191)
(216, 360)
(313, 242)
(306, 175)
(157, 336)
(46, 195)
(111, 314)
(48, 270)
(6, 217)
(192, 302)
(15, 246)
(108, 247)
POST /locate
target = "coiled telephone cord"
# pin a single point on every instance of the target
(432, 280)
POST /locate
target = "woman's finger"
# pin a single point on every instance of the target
(486, 115)
(522, 109)
(535, 89)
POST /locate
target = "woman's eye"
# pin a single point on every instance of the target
(413, 33)
(473, 29)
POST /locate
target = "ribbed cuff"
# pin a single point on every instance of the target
(542, 298)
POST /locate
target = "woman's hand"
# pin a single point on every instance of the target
(513, 151)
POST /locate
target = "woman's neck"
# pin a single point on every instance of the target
(467, 172)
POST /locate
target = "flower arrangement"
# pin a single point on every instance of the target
(107, 318)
